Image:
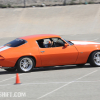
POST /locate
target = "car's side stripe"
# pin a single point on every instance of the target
(2, 48)
(83, 42)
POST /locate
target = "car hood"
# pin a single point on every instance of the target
(84, 42)
(3, 48)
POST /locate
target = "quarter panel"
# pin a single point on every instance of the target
(85, 51)
(14, 53)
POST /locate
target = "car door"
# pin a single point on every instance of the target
(58, 55)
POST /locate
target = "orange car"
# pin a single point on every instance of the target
(27, 52)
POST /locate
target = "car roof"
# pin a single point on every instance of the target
(39, 36)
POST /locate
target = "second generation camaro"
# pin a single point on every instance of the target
(27, 52)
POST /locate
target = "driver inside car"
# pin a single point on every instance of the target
(50, 43)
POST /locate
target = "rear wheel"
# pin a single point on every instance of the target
(25, 64)
(95, 59)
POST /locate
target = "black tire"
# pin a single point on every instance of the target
(25, 66)
(80, 65)
(94, 60)
(12, 69)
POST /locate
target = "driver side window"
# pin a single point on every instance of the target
(57, 42)
(50, 42)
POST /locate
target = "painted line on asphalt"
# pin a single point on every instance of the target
(86, 75)
(34, 83)
(50, 83)
(45, 83)
(9, 78)
(67, 84)
(86, 81)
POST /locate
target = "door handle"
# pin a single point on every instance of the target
(42, 51)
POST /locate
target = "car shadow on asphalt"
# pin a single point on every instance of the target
(50, 68)
(6, 72)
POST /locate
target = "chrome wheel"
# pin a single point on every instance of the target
(97, 58)
(26, 64)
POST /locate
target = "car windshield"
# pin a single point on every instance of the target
(69, 42)
(15, 43)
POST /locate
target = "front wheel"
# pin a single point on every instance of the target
(25, 64)
(95, 59)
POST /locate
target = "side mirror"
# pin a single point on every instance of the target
(65, 45)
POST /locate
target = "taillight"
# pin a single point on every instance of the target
(1, 57)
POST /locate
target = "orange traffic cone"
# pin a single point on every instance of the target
(17, 79)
